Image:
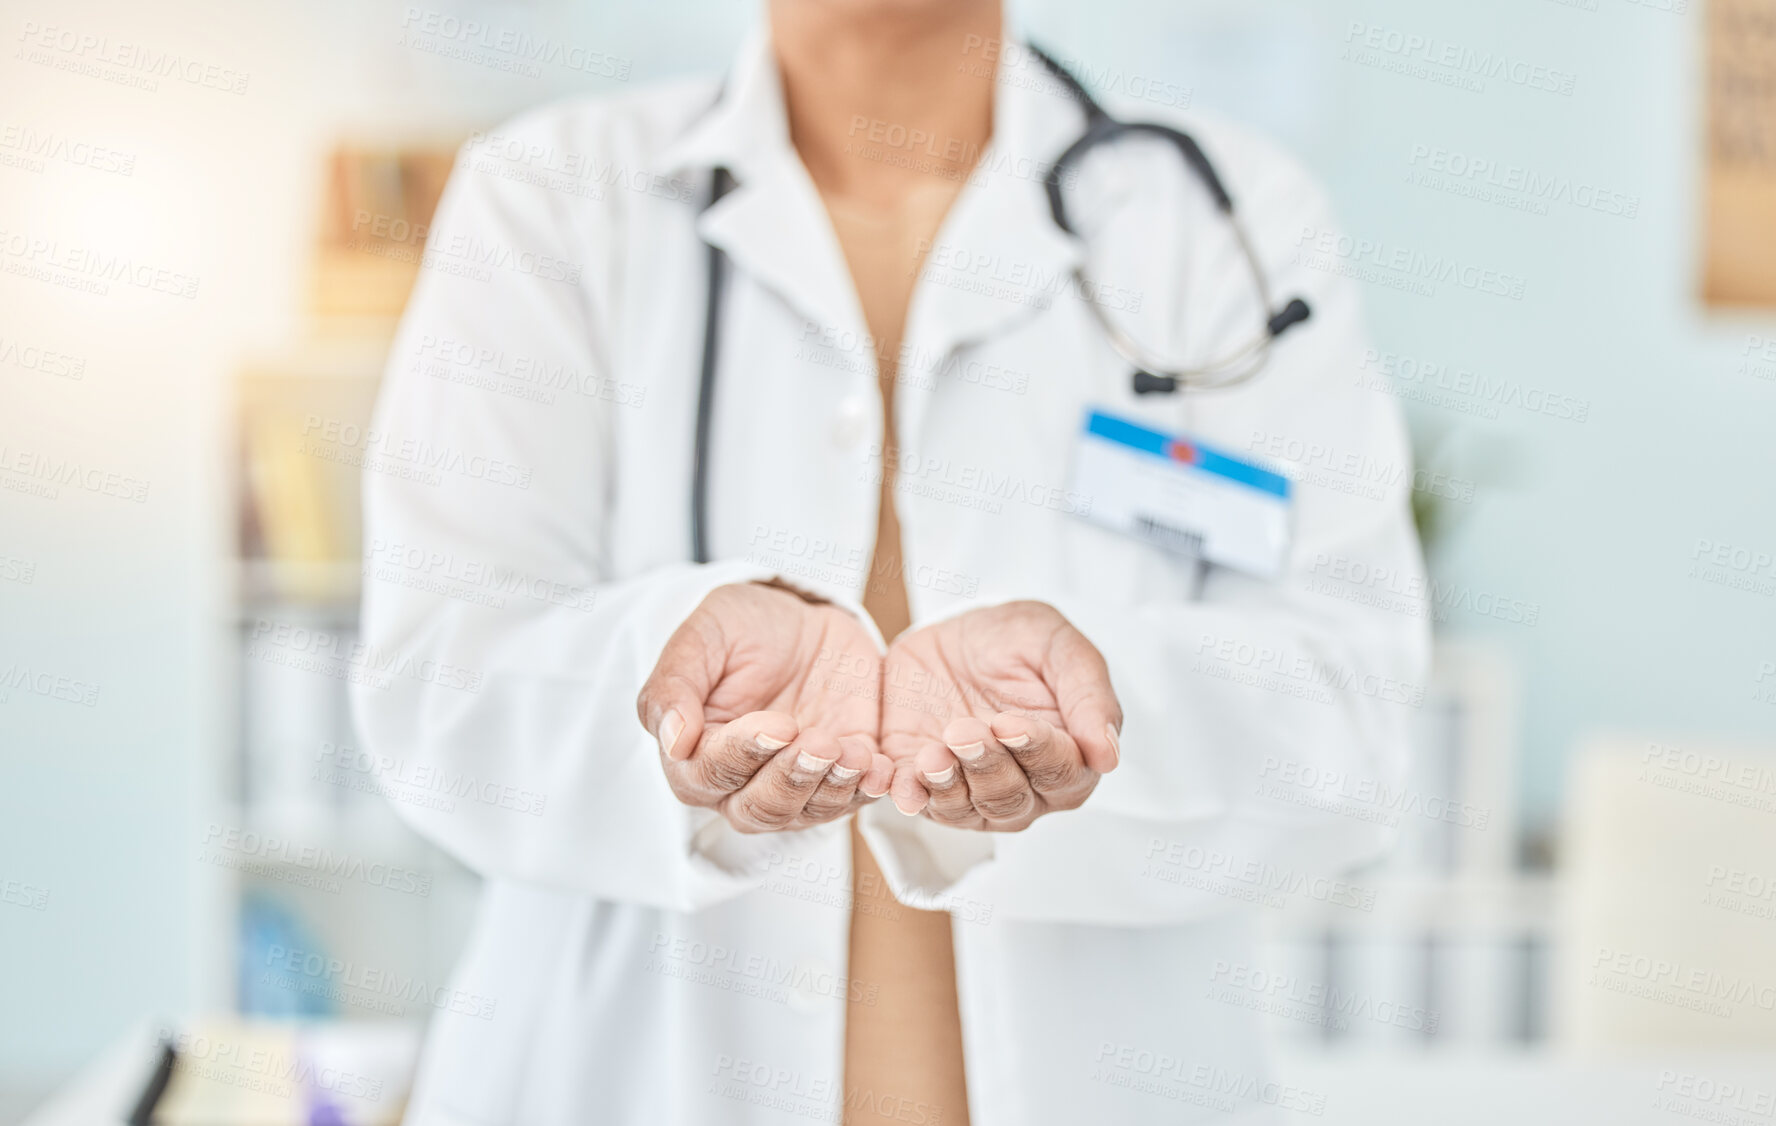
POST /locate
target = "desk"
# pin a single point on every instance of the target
(1358, 1088)
(1665, 1088)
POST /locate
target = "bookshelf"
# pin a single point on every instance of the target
(304, 852)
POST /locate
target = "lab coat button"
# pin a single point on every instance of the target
(851, 426)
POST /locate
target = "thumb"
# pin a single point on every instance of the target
(1080, 681)
(670, 704)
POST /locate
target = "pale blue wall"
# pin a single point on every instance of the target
(1595, 523)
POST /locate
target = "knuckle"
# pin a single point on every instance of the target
(823, 810)
(1049, 775)
(788, 791)
(727, 774)
(1005, 806)
(993, 777)
(955, 818)
(757, 816)
(1071, 798)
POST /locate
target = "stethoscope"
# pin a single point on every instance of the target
(1152, 374)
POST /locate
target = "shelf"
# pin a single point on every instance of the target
(1429, 904)
(367, 828)
(355, 353)
(270, 587)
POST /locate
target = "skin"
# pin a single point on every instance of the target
(1015, 681)
(894, 61)
(765, 707)
(997, 716)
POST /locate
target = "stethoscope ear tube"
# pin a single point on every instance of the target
(1288, 317)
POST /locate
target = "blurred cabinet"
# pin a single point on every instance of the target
(1445, 943)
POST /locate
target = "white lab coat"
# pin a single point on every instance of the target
(636, 961)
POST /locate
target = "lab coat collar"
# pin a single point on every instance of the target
(772, 224)
(998, 259)
(745, 124)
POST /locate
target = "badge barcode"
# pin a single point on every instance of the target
(1169, 537)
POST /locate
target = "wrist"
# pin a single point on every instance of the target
(776, 582)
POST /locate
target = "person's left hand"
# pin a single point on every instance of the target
(996, 717)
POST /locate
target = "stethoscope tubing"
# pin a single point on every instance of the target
(1152, 373)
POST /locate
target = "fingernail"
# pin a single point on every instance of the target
(1115, 742)
(670, 726)
(913, 812)
(968, 752)
(1016, 742)
(812, 765)
(843, 774)
(871, 796)
(766, 743)
(941, 777)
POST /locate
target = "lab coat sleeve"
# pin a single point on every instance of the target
(1267, 724)
(505, 721)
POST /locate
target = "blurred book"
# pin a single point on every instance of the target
(228, 1072)
(305, 439)
(375, 216)
(262, 1073)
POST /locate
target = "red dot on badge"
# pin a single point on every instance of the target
(1182, 451)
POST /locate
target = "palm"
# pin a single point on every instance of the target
(964, 667)
(1014, 696)
(817, 664)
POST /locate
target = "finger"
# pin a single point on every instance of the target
(777, 794)
(670, 704)
(1080, 681)
(731, 754)
(878, 778)
(996, 783)
(832, 797)
(909, 794)
(1049, 757)
(942, 775)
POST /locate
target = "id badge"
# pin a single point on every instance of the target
(1182, 495)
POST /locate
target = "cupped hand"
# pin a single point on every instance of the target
(764, 706)
(997, 716)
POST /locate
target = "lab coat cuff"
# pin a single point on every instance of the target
(922, 860)
(855, 608)
(956, 609)
(743, 861)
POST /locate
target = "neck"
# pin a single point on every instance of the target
(884, 100)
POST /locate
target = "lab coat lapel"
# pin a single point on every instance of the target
(775, 229)
(772, 224)
(999, 259)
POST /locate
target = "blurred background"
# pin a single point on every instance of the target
(1581, 919)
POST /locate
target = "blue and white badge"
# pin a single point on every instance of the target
(1183, 495)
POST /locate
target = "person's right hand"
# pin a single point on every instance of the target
(764, 706)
